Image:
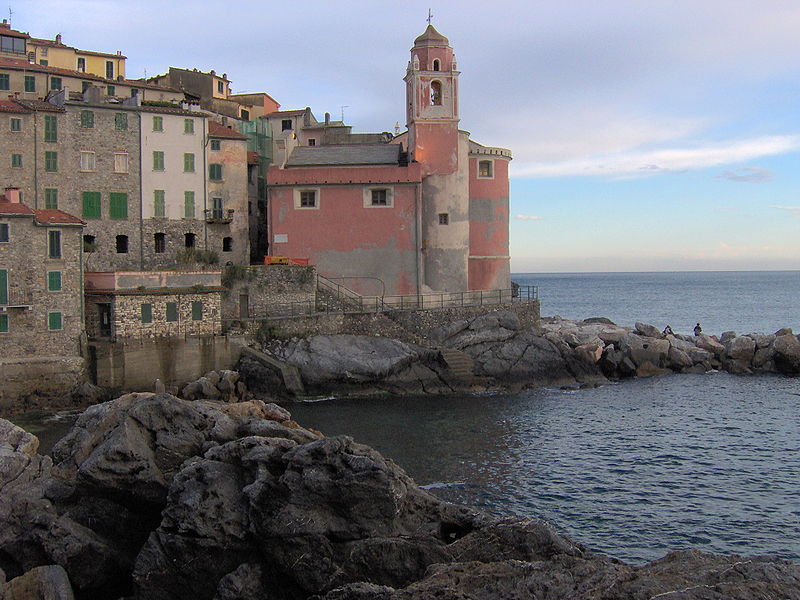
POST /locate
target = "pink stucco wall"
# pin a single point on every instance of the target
(488, 226)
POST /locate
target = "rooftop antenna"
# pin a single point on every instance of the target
(343, 107)
(10, 12)
(430, 16)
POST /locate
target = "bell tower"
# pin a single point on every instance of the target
(432, 103)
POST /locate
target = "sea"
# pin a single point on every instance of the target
(630, 469)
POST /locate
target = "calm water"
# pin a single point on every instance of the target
(741, 301)
(633, 469)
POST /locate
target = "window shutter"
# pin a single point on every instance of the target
(147, 313)
(172, 311)
(54, 321)
(91, 205)
(119, 205)
(3, 286)
(197, 311)
(54, 281)
(50, 131)
(188, 205)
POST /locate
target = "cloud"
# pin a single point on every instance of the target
(641, 163)
(795, 210)
(748, 175)
(528, 218)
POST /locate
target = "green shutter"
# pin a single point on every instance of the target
(50, 128)
(215, 171)
(158, 123)
(16, 124)
(4, 81)
(111, 90)
(51, 161)
(215, 144)
(16, 160)
(3, 323)
(54, 281)
(91, 205)
(188, 162)
(54, 244)
(188, 205)
(51, 198)
(54, 321)
(147, 313)
(197, 311)
(55, 83)
(87, 119)
(188, 126)
(121, 121)
(3, 286)
(30, 83)
(172, 311)
(159, 208)
(158, 160)
(118, 205)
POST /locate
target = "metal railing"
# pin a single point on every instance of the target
(219, 215)
(349, 302)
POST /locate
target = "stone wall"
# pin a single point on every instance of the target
(266, 286)
(46, 376)
(136, 364)
(411, 326)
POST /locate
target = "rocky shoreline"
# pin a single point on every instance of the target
(155, 497)
(496, 352)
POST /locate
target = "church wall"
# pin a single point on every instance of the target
(488, 224)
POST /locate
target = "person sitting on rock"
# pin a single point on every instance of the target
(668, 330)
(697, 329)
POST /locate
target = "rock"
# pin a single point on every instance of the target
(208, 388)
(740, 349)
(87, 393)
(678, 359)
(227, 382)
(49, 582)
(648, 369)
(260, 380)
(707, 342)
(599, 320)
(786, 354)
(158, 387)
(192, 390)
(726, 336)
(698, 355)
(213, 377)
(783, 331)
(648, 330)
(761, 340)
(589, 353)
(644, 349)
(763, 359)
(612, 336)
(247, 582)
(680, 343)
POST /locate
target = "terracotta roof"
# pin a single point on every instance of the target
(286, 113)
(345, 155)
(173, 110)
(252, 158)
(5, 29)
(12, 107)
(220, 131)
(50, 216)
(431, 37)
(54, 44)
(39, 105)
(13, 208)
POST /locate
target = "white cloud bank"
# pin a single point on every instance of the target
(645, 162)
(529, 218)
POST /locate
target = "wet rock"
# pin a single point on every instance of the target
(786, 355)
(48, 582)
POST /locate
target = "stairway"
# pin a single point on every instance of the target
(289, 373)
(459, 364)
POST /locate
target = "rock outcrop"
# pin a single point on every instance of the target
(506, 355)
(154, 497)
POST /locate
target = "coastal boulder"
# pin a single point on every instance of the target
(709, 343)
(786, 355)
(643, 350)
(49, 582)
(740, 348)
(648, 330)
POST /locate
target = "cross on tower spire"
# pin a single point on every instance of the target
(430, 16)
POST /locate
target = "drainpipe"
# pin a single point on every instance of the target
(418, 234)
(205, 183)
(35, 163)
(141, 198)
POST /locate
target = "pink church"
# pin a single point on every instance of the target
(424, 211)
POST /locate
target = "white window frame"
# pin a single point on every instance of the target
(389, 196)
(118, 156)
(491, 169)
(88, 161)
(298, 194)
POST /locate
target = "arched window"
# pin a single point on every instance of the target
(436, 64)
(436, 93)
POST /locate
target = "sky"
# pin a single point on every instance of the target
(648, 135)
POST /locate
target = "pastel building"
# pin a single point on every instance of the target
(423, 211)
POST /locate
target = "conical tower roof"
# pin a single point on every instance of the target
(431, 37)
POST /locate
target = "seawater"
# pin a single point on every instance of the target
(740, 301)
(632, 469)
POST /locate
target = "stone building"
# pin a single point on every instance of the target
(41, 280)
(127, 305)
(426, 210)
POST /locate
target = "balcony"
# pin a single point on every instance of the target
(219, 215)
(18, 300)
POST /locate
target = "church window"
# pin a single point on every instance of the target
(436, 93)
(485, 168)
(436, 64)
(444, 219)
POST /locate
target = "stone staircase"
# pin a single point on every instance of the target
(289, 373)
(459, 364)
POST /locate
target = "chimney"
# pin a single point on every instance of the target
(327, 118)
(58, 38)
(12, 195)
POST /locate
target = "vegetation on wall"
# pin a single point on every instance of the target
(193, 256)
(233, 273)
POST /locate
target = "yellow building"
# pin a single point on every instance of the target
(55, 53)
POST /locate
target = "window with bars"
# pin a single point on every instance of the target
(118, 205)
(51, 198)
(444, 219)
(91, 205)
(188, 205)
(188, 162)
(159, 203)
